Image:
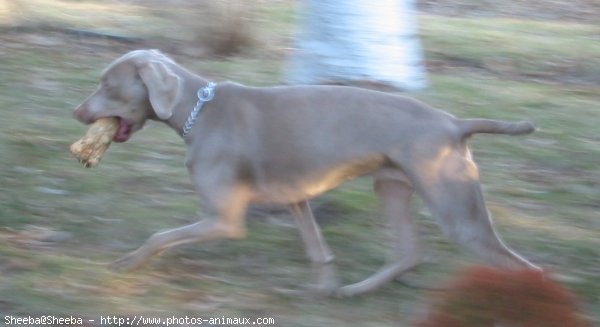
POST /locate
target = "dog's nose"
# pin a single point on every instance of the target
(79, 114)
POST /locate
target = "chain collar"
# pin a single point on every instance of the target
(204, 94)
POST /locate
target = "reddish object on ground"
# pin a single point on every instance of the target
(486, 296)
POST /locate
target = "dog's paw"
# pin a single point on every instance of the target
(127, 263)
(356, 289)
(348, 291)
(321, 291)
(311, 291)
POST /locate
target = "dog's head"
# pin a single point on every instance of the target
(135, 87)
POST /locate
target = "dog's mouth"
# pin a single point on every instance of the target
(124, 131)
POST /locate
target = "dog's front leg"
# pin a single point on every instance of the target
(198, 232)
(225, 206)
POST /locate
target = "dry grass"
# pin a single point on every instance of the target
(227, 28)
(575, 11)
(216, 28)
(219, 28)
(67, 14)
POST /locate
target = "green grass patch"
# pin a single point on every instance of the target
(515, 48)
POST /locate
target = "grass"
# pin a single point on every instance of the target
(105, 15)
(545, 50)
(62, 224)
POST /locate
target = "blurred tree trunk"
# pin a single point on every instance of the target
(358, 41)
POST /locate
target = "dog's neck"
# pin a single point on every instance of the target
(186, 103)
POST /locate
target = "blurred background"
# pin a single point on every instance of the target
(60, 224)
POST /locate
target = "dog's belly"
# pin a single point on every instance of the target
(303, 186)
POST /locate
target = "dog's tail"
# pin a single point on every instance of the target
(468, 127)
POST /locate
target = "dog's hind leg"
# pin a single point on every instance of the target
(394, 195)
(449, 183)
(319, 254)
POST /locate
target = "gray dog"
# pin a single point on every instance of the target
(287, 144)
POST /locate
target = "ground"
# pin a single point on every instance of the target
(62, 224)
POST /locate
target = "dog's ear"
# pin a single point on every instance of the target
(164, 87)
